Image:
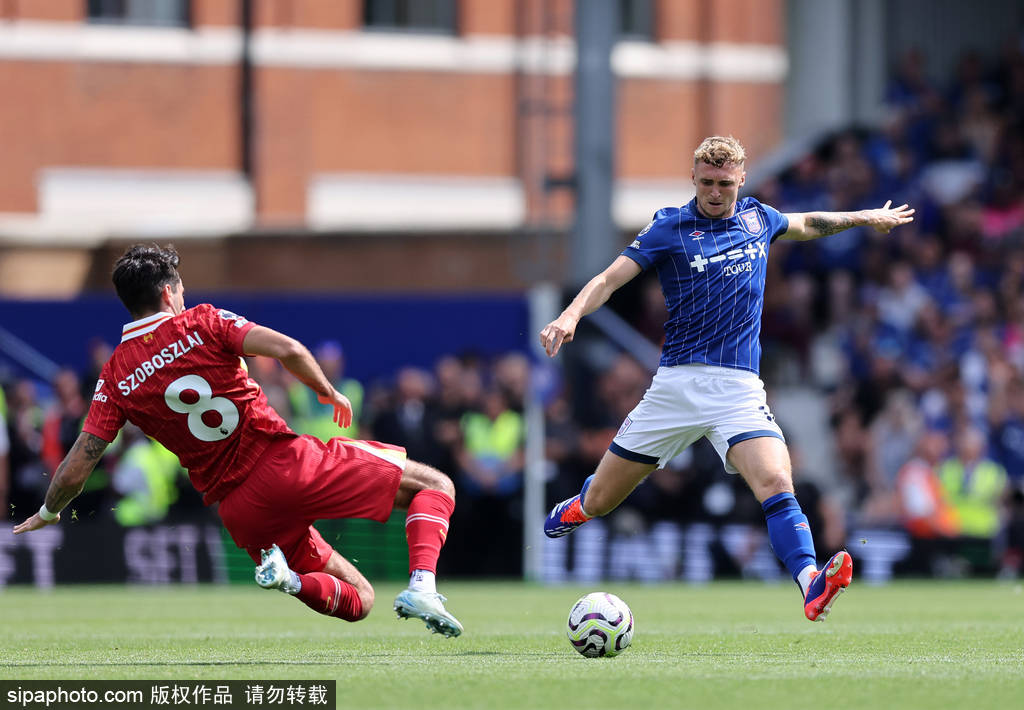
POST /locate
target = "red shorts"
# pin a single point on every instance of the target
(297, 481)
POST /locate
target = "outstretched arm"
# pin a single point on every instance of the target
(68, 479)
(598, 290)
(297, 359)
(812, 225)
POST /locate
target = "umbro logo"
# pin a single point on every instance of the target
(696, 235)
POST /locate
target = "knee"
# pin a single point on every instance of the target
(445, 485)
(366, 597)
(772, 483)
(429, 478)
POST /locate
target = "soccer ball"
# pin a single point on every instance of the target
(600, 624)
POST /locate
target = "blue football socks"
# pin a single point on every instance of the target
(789, 533)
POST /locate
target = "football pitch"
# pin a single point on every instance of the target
(725, 645)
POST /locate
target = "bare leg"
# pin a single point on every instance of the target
(614, 479)
(418, 477)
(764, 464)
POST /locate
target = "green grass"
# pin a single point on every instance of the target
(728, 645)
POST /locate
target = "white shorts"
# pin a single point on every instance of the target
(687, 402)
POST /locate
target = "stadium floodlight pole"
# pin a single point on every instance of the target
(544, 303)
(593, 240)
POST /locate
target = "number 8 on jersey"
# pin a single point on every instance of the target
(206, 403)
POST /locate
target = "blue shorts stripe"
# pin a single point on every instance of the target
(754, 435)
(631, 455)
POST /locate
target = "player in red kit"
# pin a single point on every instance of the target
(178, 375)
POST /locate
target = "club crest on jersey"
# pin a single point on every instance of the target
(147, 338)
(751, 221)
(626, 423)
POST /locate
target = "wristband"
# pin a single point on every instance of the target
(45, 513)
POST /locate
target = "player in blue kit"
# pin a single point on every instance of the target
(711, 257)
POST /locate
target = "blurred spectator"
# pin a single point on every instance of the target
(146, 476)
(851, 442)
(5, 448)
(489, 485)
(28, 480)
(408, 419)
(924, 509)
(99, 353)
(1011, 558)
(901, 299)
(620, 388)
(974, 485)
(273, 380)
(512, 377)
(311, 417)
(1006, 421)
(63, 420)
(893, 436)
(653, 312)
(491, 457)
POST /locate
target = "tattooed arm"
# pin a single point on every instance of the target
(812, 225)
(68, 480)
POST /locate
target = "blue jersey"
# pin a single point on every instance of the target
(712, 273)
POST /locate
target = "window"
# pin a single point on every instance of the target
(414, 15)
(170, 13)
(636, 19)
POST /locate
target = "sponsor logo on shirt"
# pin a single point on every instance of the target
(635, 244)
(735, 258)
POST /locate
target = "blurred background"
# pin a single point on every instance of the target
(414, 187)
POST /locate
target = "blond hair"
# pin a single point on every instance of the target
(720, 151)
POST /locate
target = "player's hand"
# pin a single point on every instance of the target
(885, 219)
(559, 331)
(34, 523)
(342, 407)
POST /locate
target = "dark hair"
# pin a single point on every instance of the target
(141, 274)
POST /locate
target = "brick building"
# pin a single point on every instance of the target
(419, 144)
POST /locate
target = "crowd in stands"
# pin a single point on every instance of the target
(465, 417)
(915, 340)
(917, 337)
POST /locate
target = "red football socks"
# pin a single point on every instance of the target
(328, 595)
(426, 527)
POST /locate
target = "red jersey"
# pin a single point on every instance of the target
(182, 381)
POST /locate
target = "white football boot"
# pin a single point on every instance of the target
(428, 606)
(273, 571)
